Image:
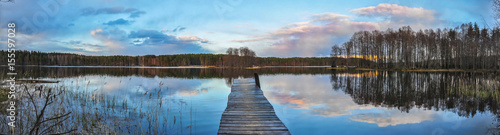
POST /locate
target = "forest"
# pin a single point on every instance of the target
(242, 57)
(465, 47)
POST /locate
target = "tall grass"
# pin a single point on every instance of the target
(84, 111)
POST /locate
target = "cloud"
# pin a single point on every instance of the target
(179, 29)
(111, 10)
(146, 41)
(120, 21)
(315, 36)
(395, 11)
(75, 42)
(134, 13)
(396, 16)
(189, 38)
(43, 43)
(79, 47)
(113, 34)
(176, 29)
(204, 41)
(325, 23)
(39, 42)
(113, 39)
(311, 37)
(153, 37)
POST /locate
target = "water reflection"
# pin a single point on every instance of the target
(307, 100)
(308, 92)
(137, 104)
(395, 117)
(396, 102)
(188, 73)
(463, 93)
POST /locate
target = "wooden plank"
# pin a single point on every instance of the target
(255, 128)
(251, 122)
(252, 125)
(233, 111)
(255, 132)
(250, 119)
(249, 112)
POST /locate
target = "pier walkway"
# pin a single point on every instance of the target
(249, 112)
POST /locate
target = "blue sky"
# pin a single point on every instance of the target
(270, 28)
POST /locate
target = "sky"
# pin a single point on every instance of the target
(276, 28)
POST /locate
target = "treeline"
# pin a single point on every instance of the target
(245, 59)
(464, 47)
(67, 59)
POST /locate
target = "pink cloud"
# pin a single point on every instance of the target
(312, 37)
(315, 36)
(192, 39)
(252, 40)
(396, 11)
(112, 39)
(189, 38)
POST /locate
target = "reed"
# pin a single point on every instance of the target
(83, 110)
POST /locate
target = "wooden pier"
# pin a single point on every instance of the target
(249, 112)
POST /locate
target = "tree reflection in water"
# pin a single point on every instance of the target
(464, 93)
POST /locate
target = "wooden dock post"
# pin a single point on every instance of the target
(249, 112)
(257, 82)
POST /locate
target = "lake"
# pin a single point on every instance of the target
(313, 100)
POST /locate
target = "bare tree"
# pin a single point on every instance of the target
(336, 53)
(348, 49)
(466, 47)
(43, 123)
(242, 57)
(496, 10)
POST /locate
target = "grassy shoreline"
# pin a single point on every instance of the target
(4, 92)
(258, 67)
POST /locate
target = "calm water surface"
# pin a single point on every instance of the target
(307, 100)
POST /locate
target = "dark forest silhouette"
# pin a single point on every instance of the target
(217, 60)
(465, 47)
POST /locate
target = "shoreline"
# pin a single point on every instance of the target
(259, 67)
